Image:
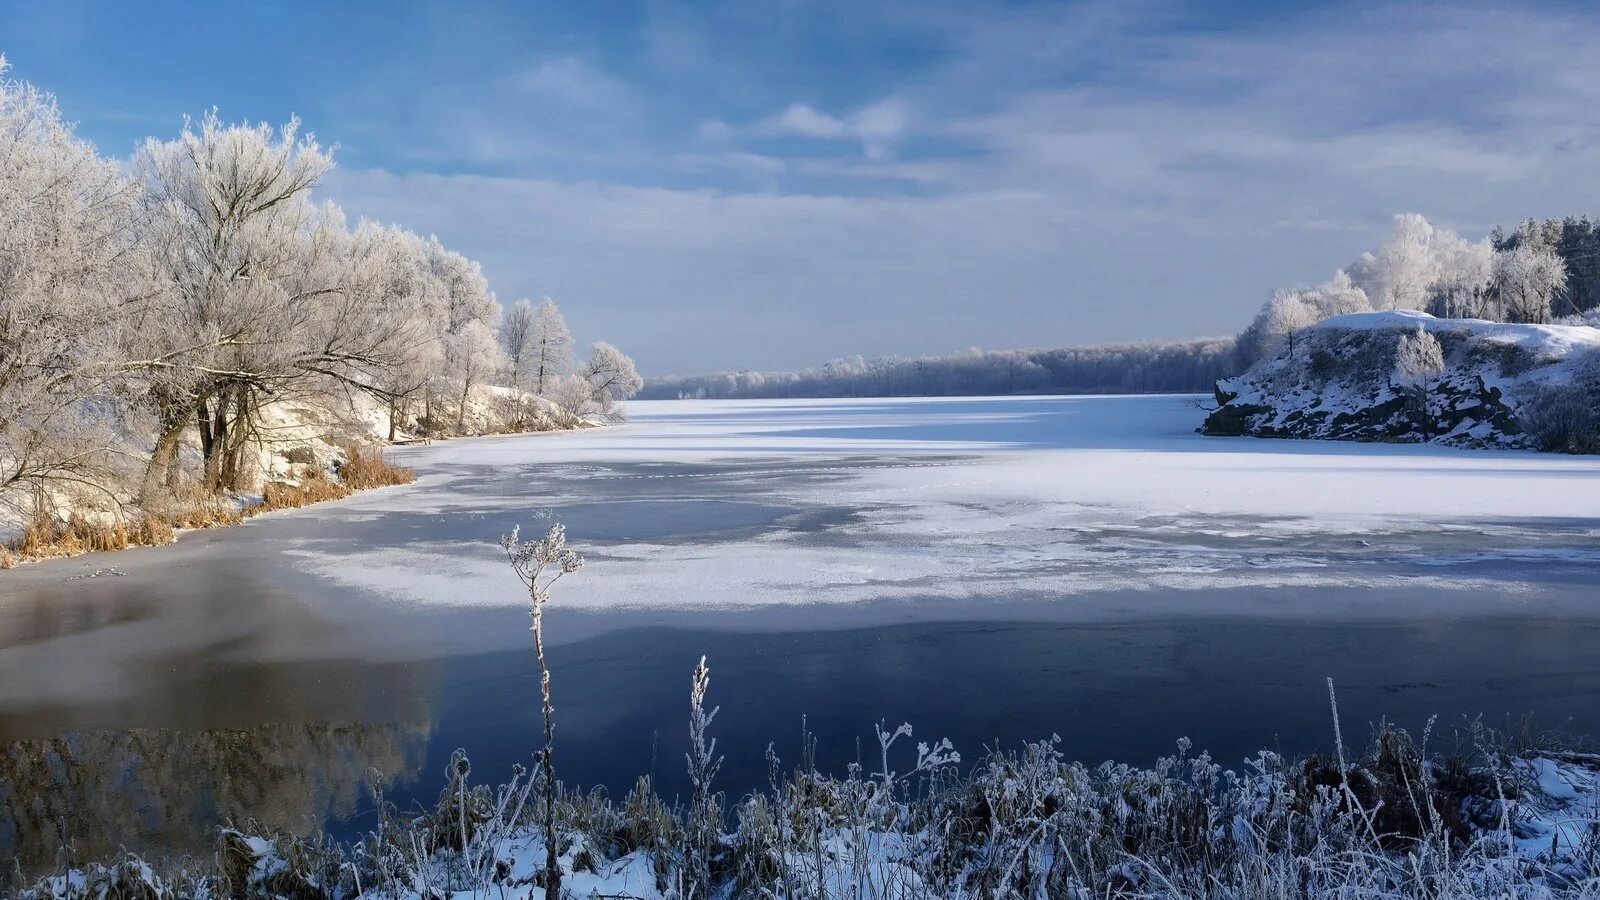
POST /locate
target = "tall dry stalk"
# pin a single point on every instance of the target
(704, 763)
(540, 564)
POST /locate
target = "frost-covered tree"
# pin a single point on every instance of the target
(1419, 362)
(1527, 281)
(538, 343)
(464, 290)
(243, 258)
(516, 337)
(70, 275)
(1465, 273)
(551, 349)
(390, 271)
(607, 376)
(472, 355)
(1284, 315)
(1288, 312)
(1399, 273)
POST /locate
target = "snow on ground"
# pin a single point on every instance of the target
(1563, 802)
(1546, 341)
(953, 498)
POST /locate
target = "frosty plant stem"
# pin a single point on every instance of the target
(540, 564)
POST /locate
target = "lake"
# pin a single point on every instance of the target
(991, 570)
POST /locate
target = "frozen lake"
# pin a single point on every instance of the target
(987, 569)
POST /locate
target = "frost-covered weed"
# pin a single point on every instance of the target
(539, 565)
(1394, 823)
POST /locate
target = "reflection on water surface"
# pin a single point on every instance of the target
(86, 795)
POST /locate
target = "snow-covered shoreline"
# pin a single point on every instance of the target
(1405, 376)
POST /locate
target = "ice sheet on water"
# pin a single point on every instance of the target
(978, 496)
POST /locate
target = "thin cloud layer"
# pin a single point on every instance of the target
(770, 185)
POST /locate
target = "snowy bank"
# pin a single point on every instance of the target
(1405, 376)
(296, 452)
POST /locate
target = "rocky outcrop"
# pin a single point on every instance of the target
(1406, 376)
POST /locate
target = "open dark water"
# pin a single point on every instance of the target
(1117, 691)
(147, 697)
(1125, 691)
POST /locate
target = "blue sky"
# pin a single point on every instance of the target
(770, 183)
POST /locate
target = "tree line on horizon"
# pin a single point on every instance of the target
(1538, 272)
(1146, 368)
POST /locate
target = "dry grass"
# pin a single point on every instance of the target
(362, 469)
(48, 536)
(315, 487)
(365, 469)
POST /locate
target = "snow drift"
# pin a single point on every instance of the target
(1406, 376)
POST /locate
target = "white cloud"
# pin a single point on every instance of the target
(1190, 175)
(735, 161)
(877, 127)
(572, 81)
(880, 125)
(800, 119)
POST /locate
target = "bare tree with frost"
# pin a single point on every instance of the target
(70, 275)
(1466, 271)
(242, 258)
(472, 355)
(1419, 363)
(516, 336)
(538, 343)
(1288, 312)
(1398, 274)
(606, 377)
(1527, 280)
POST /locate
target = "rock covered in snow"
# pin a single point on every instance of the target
(1405, 376)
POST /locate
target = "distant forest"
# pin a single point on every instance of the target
(1149, 368)
(1537, 272)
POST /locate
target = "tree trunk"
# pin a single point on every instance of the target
(232, 452)
(461, 411)
(164, 458)
(202, 417)
(391, 419)
(216, 447)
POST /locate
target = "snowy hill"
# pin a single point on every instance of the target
(1409, 377)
